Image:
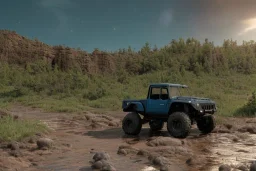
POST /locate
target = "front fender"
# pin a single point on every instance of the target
(183, 105)
(134, 107)
(195, 106)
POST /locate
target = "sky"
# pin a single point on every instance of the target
(114, 24)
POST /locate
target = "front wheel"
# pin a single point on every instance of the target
(206, 124)
(156, 125)
(179, 125)
(132, 124)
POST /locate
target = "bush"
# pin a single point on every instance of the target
(249, 109)
(14, 129)
(95, 94)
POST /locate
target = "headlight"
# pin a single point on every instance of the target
(197, 104)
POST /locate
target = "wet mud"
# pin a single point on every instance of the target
(78, 137)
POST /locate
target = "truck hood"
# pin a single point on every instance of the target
(193, 99)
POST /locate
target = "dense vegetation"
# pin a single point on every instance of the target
(63, 79)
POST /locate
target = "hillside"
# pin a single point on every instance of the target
(60, 78)
(17, 49)
(189, 55)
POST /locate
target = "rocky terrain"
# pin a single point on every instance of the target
(87, 141)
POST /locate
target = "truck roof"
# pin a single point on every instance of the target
(168, 84)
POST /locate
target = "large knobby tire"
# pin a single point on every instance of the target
(206, 124)
(178, 125)
(156, 125)
(132, 124)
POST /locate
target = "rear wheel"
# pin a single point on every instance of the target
(132, 124)
(206, 124)
(156, 125)
(179, 125)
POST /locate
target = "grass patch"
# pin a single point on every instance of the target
(16, 129)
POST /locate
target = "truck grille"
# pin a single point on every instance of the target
(208, 106)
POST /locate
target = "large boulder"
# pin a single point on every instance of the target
(100, 162)
(100, 156)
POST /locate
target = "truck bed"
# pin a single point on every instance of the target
(136, 101)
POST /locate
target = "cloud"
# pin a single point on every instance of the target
(250, 26)
(166, 17)
(58, 7)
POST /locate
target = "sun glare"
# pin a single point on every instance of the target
(250, 25)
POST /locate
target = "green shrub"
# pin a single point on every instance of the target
(249, 109)
(16, 129)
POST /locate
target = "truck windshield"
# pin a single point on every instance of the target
(177, 91)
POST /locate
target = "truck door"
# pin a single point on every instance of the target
(157, 101)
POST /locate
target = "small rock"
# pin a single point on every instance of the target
(164, 168)
(224, 167)
(23, 146)
(158, 161)
(97, 165)
(142, 153)
(228, 126)
(112, 124)
(44, 148)
(242, 167)
(13, 146)
(122, 152)
(193, 161)
(129, 149)
(34, 164)
(68, 145)
(189, 161)
(235, 139)
(250, 129)
(253, 166)
(164, 141)
(44, 143)
(101, 156)
(206, 150)
(103, 165)
(32, 140)
(16, 153)
(108, 168)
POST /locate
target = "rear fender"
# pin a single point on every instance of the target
(134, 107)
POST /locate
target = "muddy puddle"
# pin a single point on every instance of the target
(89, 133)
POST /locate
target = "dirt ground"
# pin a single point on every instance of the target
(77, 137)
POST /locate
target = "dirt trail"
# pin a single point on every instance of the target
(77, 137)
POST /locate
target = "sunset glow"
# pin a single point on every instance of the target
(250, 25)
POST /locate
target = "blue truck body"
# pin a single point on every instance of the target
(163, 107)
